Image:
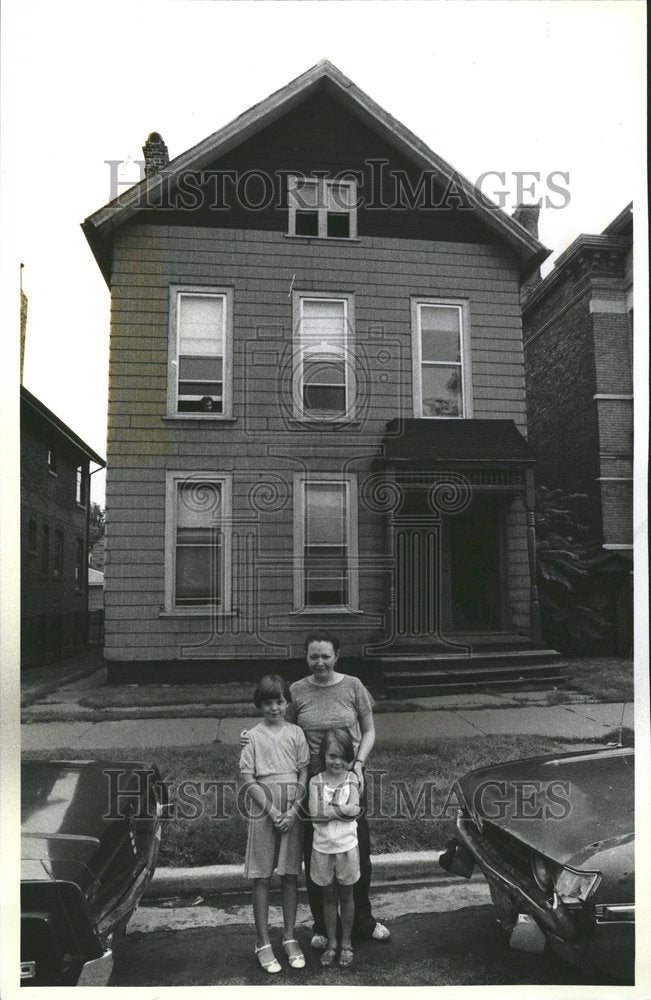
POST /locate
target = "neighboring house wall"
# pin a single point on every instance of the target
(262, 442)
(54, 537)
(579, 372)
(49, 501)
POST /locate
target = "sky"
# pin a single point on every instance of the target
(490, 86)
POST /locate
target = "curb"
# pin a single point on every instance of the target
(219, 878)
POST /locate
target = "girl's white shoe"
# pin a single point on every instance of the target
(297, 959)
(271, 966)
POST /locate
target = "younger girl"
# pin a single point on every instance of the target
(273, 764)
(334, 863)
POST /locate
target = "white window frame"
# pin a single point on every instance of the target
(348, 354)
(465, 354)
(226, 294)
(173, 479)
(315, 479)
(323, 186)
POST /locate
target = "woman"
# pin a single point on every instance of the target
(324, 700)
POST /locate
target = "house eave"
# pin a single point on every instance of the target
(36, 406)
(583, 244)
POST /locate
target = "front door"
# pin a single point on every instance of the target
(449, 573)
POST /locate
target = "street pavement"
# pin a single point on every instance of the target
(442, 933)
(579, 720)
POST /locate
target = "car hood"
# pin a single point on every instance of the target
(574, 808)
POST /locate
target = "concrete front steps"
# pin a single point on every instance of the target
(506, 663)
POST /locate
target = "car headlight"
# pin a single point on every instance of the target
(542, 872)
(576, 886)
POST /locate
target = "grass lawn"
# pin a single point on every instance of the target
(605, 678)
(196, 835)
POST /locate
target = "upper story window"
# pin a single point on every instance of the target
(198, 542)
(80, 489)
(199, 369)
(52, 461)
(441, 358)
(321, 207)
(324, 376)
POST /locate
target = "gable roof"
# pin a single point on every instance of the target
(32, 404)
(99, 226)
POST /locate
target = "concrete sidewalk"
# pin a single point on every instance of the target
(579, 720)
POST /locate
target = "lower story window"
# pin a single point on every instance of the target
(57, 566)
(198, 542)
(326, 543)
(79, 564)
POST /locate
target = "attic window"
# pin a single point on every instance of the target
(322, 208)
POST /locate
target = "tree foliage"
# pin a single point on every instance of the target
(571, 615)
(97, 523)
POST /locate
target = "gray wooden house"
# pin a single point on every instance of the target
(316, 404)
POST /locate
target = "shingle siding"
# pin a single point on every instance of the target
(263, 440)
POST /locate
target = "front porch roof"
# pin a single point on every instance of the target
(446, 444)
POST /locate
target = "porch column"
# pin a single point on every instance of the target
(530, 502)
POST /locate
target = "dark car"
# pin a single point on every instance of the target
(90, 834)
(554, 837)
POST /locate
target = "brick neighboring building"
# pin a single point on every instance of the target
(55, 486)
(578, 355)
(316, 399)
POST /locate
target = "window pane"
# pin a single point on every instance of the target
(339, 197)
(196, 368)
(199, 505)
(325, 398)
(57, 568)
(326, 587)
(198, 574)
(198, 544)
(323, 322)
(305, 194)
(338, 225)
(442, 391)
(440, 333)
(307, 224)
(325, 514)
(201, 325)
(45, 551)
(323, 371)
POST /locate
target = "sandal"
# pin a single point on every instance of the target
(296, 958)
(328, 957)
(345, 958)
(273, 965)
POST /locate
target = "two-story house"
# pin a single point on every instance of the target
(316, 400)
(578, 351)
(55, 484)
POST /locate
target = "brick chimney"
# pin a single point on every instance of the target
(156, 155)
(527, 216)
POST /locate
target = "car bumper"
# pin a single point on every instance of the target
(580, 934)
(98, 971)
